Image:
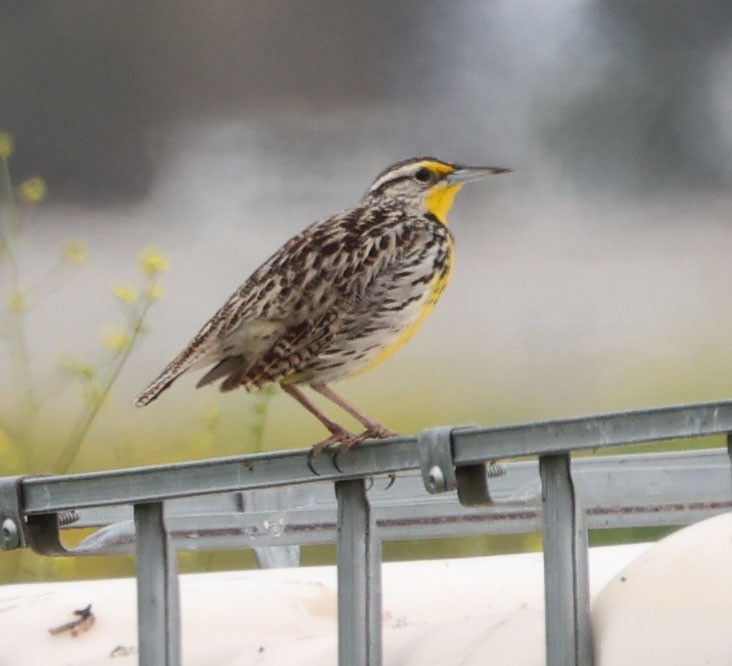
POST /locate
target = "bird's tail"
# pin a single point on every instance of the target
(162, 382)
(186, 360)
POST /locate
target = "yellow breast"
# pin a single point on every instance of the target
(432, 294)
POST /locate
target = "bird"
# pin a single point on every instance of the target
(336, 299)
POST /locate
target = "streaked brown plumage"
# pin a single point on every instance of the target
(337, 298)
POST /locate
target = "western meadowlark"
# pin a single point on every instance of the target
(338, 298)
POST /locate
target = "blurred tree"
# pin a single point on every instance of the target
(92, 90)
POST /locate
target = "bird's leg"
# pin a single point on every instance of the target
(373, 428)
(338, 434)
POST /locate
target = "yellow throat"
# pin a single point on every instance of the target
(440, 197)
(439, 200)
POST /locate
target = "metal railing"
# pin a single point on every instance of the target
(273, 503)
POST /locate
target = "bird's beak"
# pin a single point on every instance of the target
(469, 173)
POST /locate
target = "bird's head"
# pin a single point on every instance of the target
(425, 183)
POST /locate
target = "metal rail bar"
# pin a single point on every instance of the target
(158, 606)
(595, 432)
(670, 488)
(132, 486)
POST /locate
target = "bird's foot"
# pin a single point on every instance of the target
(341, 440)
(345, 446)
(374, 431)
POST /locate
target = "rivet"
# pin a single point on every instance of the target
(10, 539)
(436, 479)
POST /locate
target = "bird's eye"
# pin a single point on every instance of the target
(423, 175)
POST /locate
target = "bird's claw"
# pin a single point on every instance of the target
(312, 454)
(339, 442)
(344, 446)
(343, 441)
(316, 450)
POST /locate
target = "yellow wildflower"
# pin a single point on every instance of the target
(17, 302)
(125, 293)
(6, 145)
(75, 252)
(115, 339)
(153, 262)
(32, 191)
(86, 372)
(74, 367)
(154, 292)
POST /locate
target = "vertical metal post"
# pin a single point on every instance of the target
(158, 609)
(272, 499)
(359, 578)
(566, 584)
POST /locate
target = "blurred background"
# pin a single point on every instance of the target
(158, 152)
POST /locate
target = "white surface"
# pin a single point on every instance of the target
(667, 603)
(673, 605)
(435, 612)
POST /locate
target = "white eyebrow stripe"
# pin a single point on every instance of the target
(401, 172)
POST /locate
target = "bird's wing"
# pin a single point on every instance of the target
(277, 296)
(329, 266)
(362, 282)
(392, 267)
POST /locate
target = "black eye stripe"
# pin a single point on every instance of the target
(424, 175)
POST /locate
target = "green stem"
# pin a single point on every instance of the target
(19, 351)
(49, 283)
(16, 340)
(6, 194)
(17, 343)
(83, 425)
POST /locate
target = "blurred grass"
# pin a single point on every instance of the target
(193, 424)
(209, 430)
